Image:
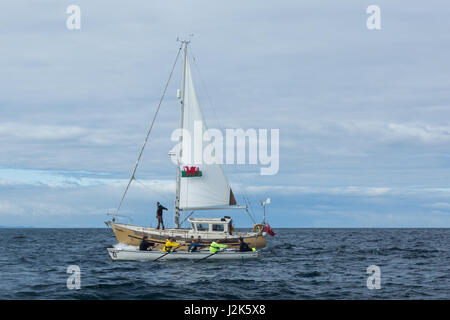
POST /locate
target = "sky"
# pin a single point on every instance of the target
(364, 115)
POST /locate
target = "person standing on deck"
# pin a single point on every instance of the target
(159, 214)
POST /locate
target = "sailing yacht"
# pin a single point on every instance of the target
(198, 187)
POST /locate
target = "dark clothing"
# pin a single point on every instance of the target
(193, 247)
(160, 209)
(244, 247)
(160, 221)
(145, 244)
(159, 216)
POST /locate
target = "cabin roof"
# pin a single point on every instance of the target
(209, 220)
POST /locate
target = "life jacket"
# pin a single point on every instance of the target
(214, 247)
(169, 245)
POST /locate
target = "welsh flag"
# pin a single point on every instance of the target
(269, 230)
(191, 172)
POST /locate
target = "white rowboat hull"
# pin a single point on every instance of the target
(135, 255)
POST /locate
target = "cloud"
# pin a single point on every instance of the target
(440, 205)
(423, 133)
(40, 132)
(293, 190)
(380, 132)
(52, 133)
(70, 179)
(7, 207)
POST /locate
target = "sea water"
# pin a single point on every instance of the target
(296, 264)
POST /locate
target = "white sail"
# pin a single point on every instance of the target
(211, 189)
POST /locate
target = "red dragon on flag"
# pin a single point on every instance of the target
(191, 171)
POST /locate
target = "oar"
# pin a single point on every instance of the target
(167, 253)
(209, 255)
(156, 241)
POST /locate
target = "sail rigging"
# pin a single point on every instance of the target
(147, 136)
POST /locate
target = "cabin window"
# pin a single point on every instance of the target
(218, 227)
(202, 227)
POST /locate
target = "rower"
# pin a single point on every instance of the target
(243, 246)
(214, 247)
(170, 245)
(146, 245)
(194, 246)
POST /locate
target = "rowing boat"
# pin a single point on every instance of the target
(136, 255)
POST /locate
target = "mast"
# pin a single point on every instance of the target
(183, 80)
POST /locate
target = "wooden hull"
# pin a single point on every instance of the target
(132, 235)
(136, 255)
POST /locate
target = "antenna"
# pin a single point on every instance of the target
(190, 36)
(264, 203)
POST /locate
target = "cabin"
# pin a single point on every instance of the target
(211, 225)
